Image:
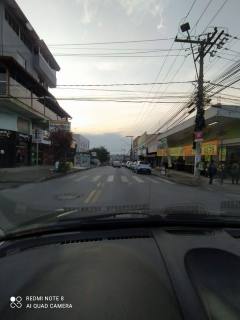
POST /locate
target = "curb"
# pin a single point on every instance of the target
(46, 178)
(177, 181)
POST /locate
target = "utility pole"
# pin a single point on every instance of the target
(205, 43)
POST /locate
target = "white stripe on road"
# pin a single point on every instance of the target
(166, 181)
(110, 178)
(152, 180)
(81, 178)
(124, 179)
(96, 178)
(138, 179)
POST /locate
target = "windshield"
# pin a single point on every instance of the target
(124, 106)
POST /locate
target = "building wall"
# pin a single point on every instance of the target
(15, 47)
(82, 143)
(8, 121)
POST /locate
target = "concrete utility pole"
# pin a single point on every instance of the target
(205, 43)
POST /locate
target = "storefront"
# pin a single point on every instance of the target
(182, 157)
(15, 149)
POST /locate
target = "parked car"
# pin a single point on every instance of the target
(128, 164)
(116, 164)
(143, 167)
(133, 165)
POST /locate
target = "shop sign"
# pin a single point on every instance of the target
(176, 152)
(161, 152)
(210, 148)
(188, 151)
(198, 136)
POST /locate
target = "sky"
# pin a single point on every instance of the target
(69, 27)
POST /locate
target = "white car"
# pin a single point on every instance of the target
(133, 165)
(143, 167)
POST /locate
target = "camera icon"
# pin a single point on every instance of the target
(16, 302)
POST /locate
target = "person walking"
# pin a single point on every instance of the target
(235, 172)
(222, 171)
(212, 170)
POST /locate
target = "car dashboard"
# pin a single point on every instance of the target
(127, 273)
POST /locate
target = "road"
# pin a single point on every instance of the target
(101, 187)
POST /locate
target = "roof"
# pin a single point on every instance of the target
(33, 85)
(32, 34)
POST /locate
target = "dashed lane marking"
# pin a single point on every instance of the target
(110, 178)
(138, 179)
(166, 181)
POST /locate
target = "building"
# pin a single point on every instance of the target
(82, 156)
(221, 139)
(27, 70)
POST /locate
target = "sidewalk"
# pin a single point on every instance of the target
(190, 180)
(12, 177)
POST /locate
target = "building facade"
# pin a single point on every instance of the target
(82, 156)
(221, 139)
(27, 70)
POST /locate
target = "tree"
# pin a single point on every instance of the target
(61, 142)
(102, 154)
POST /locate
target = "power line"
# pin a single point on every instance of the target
(216, 14)
(109, 42)
(112, 56)
(126, 84)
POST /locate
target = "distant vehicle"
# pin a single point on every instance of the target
(124, 164)
(143, 167)
(116, 164)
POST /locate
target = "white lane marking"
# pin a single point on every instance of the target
(152, 180)
(110, 178)
(138, 179)
(81, 178)
(166, 181)
(96, 178)
(96, 196)
(124, 179)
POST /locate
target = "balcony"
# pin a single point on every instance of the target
(16, 98)
(43, 68)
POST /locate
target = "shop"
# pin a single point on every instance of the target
(15, 149)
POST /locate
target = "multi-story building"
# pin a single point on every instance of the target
(27, 70)
(82, 156)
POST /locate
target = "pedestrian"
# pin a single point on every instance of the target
(235, 172)
(222, 171)
(212, 170)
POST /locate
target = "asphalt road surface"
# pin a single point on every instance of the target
(101, 187)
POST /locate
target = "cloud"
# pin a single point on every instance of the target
(88, 10)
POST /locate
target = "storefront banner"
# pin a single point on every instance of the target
(161, 152)
(210, 148)
(188, 151)
(176, 152)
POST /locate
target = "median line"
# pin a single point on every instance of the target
(90, 196)
(96, 196)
